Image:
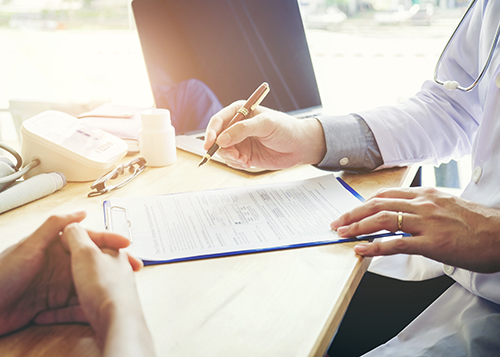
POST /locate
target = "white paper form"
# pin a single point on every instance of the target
(231, 221)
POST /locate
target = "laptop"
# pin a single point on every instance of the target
(203, 55)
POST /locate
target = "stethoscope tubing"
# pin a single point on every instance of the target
(486, 65)
(19, 162)
(19, 159)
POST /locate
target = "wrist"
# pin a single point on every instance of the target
(112, 314)
(315, 148)
(124, 332)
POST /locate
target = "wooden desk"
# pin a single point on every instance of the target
(284, 303)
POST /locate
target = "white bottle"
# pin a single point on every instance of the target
(157, 138)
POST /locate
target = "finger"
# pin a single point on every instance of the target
(75, 237)
(229, 154)
(210, 137)
(59, 316)
(234, 158)
(136, 263)
(221, 119)
(51, 228)
(219, 122)
(406, 245)
(259, 126)
(237, 165)
(109, 239)
(385, 220)
(407, 193)
(101, 239)
(372, 207)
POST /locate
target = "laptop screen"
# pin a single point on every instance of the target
(203, 55)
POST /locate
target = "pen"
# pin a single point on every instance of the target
(255, 99)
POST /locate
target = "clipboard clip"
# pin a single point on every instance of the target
(135, 167)
(129, 222)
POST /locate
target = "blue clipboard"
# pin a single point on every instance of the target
(107, 217)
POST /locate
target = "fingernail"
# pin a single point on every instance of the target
(342, 230)
(335, 224)
(224, 139)
(79, 214)
(361, 248)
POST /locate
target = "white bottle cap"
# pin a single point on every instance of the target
(157, 138)
(155, 118)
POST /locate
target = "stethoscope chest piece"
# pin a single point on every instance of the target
(454, 85)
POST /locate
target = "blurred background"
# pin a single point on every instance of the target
(73, 55)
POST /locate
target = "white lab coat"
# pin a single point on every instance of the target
(436, 126)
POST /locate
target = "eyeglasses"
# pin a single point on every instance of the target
(135, 167)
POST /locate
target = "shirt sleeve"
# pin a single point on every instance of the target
(350, 144)
(483, 285)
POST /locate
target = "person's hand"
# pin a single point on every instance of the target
(443, 227)
(106, 290)
(35, 278)
(267, 139)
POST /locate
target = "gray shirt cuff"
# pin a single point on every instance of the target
(350, 144)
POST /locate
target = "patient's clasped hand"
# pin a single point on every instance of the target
(63, 273)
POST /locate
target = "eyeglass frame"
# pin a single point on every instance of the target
(135, 167)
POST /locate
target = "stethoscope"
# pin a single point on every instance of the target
(454, 85)
(18, 172)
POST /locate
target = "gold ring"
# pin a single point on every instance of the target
(400, 221)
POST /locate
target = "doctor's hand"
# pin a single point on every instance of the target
(445, 228)
(268, 139)
(35, 280)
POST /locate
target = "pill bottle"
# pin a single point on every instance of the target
(157, 138)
